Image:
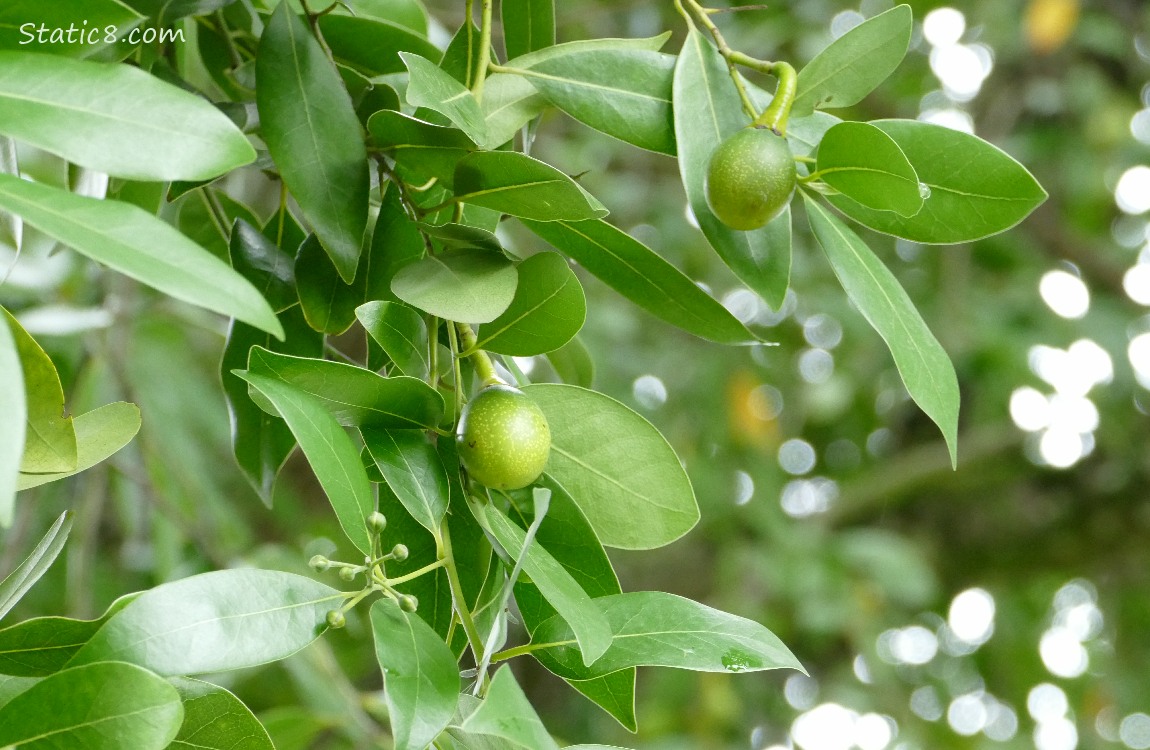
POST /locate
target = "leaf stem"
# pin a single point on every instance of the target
(484, 50)
(415, 573)
(443, 542)
(724, 50)
(525, 649)
(479, 358)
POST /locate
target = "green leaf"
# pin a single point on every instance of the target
(116, 119)
(395, 243)
(625, 93)
(506, 713)
(805, 133)
(514, 183)
(330, 452)
(214, 719)
(547, 311)
(866, 165)
(414, 471)
(427, 151)
(311, 129)
(528, 25)
(973, 189)
(509, 103)
(215, 622)
(462, 236)
(461, 58)
(13, 423)
(402, 334)
(407, 13)
(100, 433)
(472, 286)
(573, 363)
(855, 63)
(557, 586)
(622, 473)
(353, 395)
(420, 675)
(921, 361)
(707, 111)
(44, 645)
(17, 583)
(372, 46)
(638, 273)
(137, 244)
(264, 264)
(10, 687)
(49, 438)
(328, 303)
(99, 14)
(431, 87)
(653, 628)
(580, 46)
(106, 706)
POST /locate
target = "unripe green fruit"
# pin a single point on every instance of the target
(750, 178)
(399, 552)
(503, 438)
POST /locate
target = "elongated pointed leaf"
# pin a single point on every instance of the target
(215, 719)
(414, 471)
(427, 150)
(372, 45)
(514, 183)
(17, 583)
(573, 363)
(507, 714)
(707, 111)
(973, 189)
(328, 303)
(435, 89)
(547, 311)
(353, 395)
(107, 706)
(13, 422)
(309, 124)
(921, 361)
(214, 622)
(262, 262)
(642, 276)
(44, 645)
(865, 164)
(855, 63)
(330, 452)
(420, 675)
(402, 334)
(137, 244)
(528, 25)
(100, 433)
(625, 93)
(472, 286)
(652, 628)
(617, 468)
(49, 438)
(116, 119)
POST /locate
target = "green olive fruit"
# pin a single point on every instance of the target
(503, 439)
(750, 178)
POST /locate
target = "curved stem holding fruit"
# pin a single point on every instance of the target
(479, 358)
(776, 114)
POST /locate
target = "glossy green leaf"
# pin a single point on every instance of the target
(215, 622)
(116, 119)
(461, 236)
(557, 586)
(617, 467)
(865, 164)
(414, 471)
(420, 675)
(137, 244)
(372, 45)
(580, 46)
(106, 706)
(311, 129)
(402, 334)
(10, 687)
(573, 363)
(547, 311)
(214, 719)
(407, 13)
(642, 276)
(528, 25)
(472, 286)
(973, 189)
(855, 63)
(395, 243)
(328, 303)
(427, 151)
(653, 628)
(264, 264)
(353, 395)
(506, 713)
(625, 93)
(805, 133)
(100, 433)
(13, 423)
(461, 58)
(923, 364)
(509, 103)
(431, 87)
(44, 645)
(329, 450)
(707, 111)
(514, 183)
(49, 438)
(55, 17)
(35, 565)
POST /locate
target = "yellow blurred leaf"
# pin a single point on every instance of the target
(1049, 23)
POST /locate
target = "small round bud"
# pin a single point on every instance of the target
(347, 574)
(408, 603)
(319, 563)
(377, 522)
(335, 619)
(399, 552)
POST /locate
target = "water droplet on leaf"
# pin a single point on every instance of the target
(924, 190)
